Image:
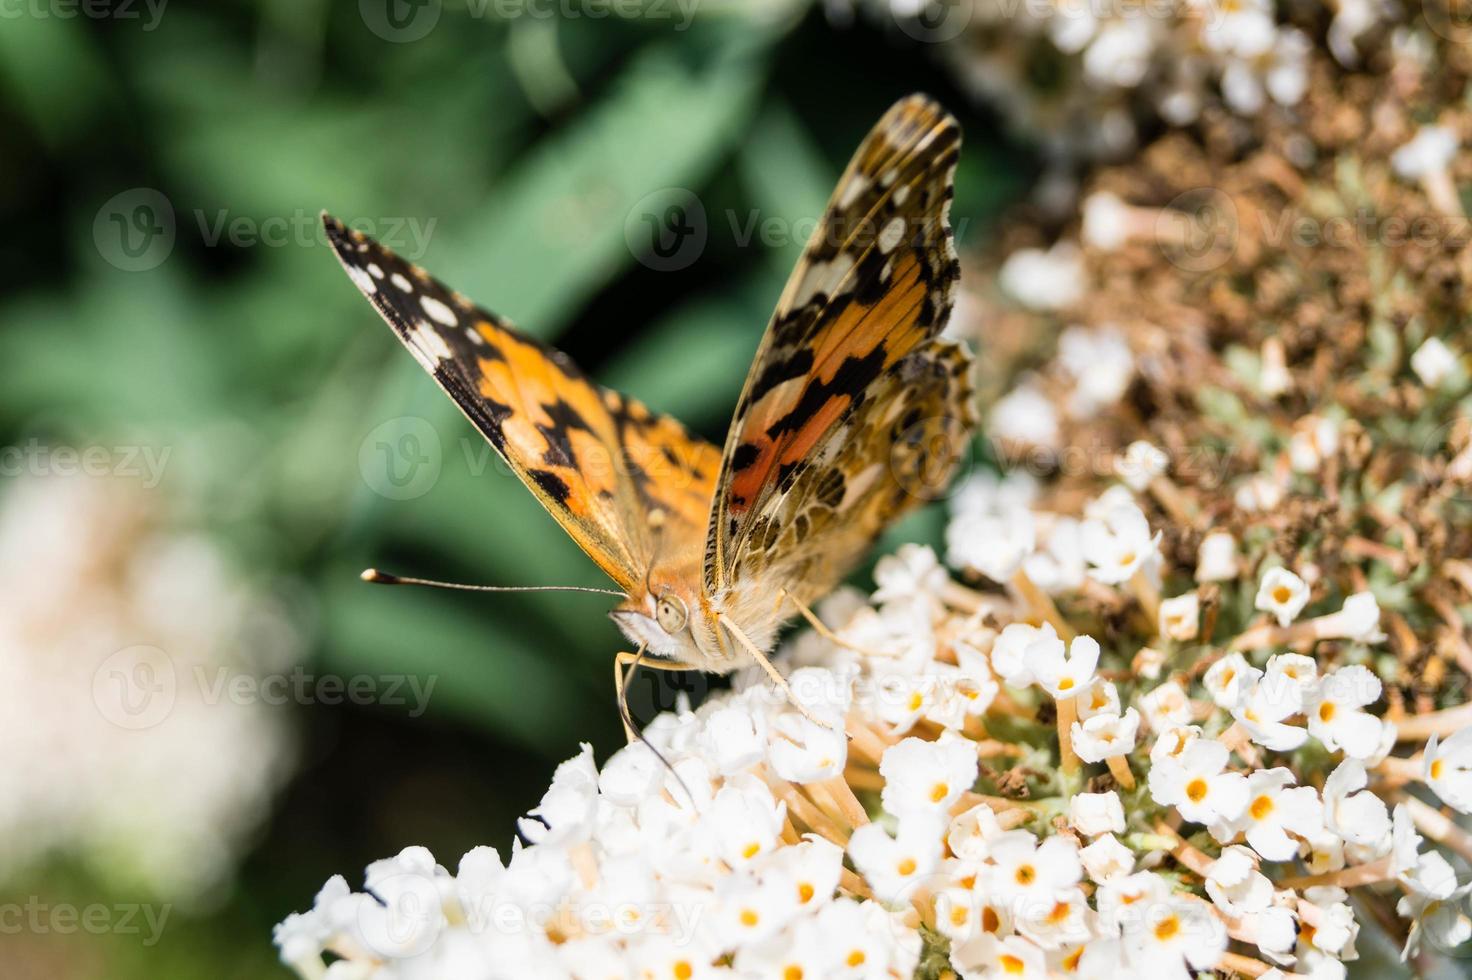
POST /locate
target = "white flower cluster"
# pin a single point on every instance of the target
(115, 752)
(1105, 60)
(984, 786)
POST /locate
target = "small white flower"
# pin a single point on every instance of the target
(1337, 927)
(1433, 362)
(1217, 559)
(1229, 679)
(1166, 707)
(1092, 814)
(1023, 870)
(1429, 151)
(1058, 565)
(1140, 464)
(1448, 769)
(1106, 736)
(1172, 742)
(1100, 698)
(1263, 707)
(1357, 816)
(1235, 884)
(1119, 545)
(1259, 493)
(1283, 594)
(1358, 619)
(1198, 786)
(1064, 676)
(733, 738)
(1120, 54)
(1010, 651)
(1026, 415)
(1314, 440)
(1180, 617)
(1100, 362)
(1106, 221)
(970, 834)
(994, 544)
(1176, 932)
(1274, 807)
(911, 572)
(744, 822)
(568, 805)
(926, 778)
(804, 752)
(1334, 715)
(895, 866)
(1043, 280)
(1107, 858)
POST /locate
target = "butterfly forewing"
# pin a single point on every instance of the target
(603, 465)
(850, 351)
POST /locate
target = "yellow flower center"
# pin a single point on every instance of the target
(906, 867)
(1167, 928)
(938, 792)
(856, 958)
(749, 918)
(1326, 711)
(1025, 874)
(751, 850)
(1012, 964)
(683, 970)
(1196, 790)
(1282, 594)
(1436, 768)
(1261, 807)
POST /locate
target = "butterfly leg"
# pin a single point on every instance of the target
(621, 677)
(772, 671)
(820, 627)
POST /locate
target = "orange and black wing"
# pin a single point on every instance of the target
(606, 467)
(849, 367)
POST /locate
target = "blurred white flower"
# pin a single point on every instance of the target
(1433, 362)
(1283, 594)
(1044, 280)
(123, 640)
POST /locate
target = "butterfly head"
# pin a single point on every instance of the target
(664, 620)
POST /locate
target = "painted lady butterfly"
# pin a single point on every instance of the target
(853, 407)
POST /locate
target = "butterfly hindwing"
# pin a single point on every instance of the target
(860, 312)
(605, 466)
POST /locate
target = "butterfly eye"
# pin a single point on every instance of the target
(671, 614)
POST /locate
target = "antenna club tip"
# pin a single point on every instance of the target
(374, 575)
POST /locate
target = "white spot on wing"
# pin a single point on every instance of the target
(375, 270)
(474, 336)
(428, 345)
(362, 279)
(399, 280)
(438, 311)
(851, 191)
(891, 235)
(901, 194)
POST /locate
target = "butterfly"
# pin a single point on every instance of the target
(854, 411)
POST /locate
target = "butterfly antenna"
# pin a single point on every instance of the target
(384, 578)
(628, 720)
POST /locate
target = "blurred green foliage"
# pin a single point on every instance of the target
(507, 155)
